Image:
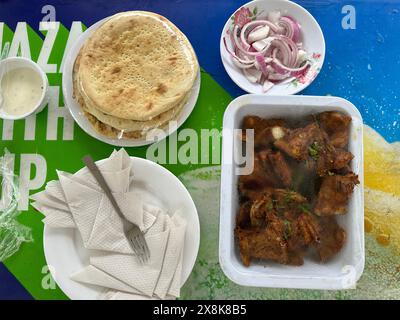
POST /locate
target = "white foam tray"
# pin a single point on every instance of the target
(341, 272)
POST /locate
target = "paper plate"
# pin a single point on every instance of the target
(64, 250)
(77, 112)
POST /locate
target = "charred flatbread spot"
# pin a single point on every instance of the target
(172, 60)
(115, 70)
(162, 88)
(149, 105)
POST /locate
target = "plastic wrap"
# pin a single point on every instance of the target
(12, 233)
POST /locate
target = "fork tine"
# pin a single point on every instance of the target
(145, 249)
(139, 246)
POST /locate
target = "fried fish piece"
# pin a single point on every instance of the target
(334, 194)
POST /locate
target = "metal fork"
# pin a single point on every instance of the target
(135, 236)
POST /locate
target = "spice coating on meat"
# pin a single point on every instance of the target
(334, 193)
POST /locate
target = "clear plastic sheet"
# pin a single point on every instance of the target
(12, 233)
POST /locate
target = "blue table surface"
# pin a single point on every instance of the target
(361, 64)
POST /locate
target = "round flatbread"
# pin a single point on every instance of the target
(120, 123)
(136, 66)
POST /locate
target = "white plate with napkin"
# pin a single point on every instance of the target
(84, 239)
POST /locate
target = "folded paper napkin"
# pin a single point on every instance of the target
(77, 201)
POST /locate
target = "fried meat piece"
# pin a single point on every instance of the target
(259, 210)
(267, 244)
(266, 131)
(266, 137)
(341, 159)
(243, 215)
(331, 238)
(296, 143)
(330, 159)
(334, 193)
(261, 244)
(281, 168)
(262, 175)
(336, 125)
(312, 145)
(287, 197)
(259, 124)
(305, 231)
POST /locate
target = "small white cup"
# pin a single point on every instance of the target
(12, 63)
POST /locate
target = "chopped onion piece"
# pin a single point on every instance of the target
(263, 44)
(301, 57)
(253, 75)
(267, 85)
(258, 33)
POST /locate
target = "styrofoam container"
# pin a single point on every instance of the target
(343, 270)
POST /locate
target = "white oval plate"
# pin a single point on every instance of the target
(83, 122)
(64, 251)
(311, 36)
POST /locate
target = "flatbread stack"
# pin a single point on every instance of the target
(134, 74)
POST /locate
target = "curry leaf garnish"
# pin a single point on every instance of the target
(313, 150)
(304, 207)
(288, 229)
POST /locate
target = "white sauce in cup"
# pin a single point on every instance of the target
(21, 90)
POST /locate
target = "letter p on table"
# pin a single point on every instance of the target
(26, 182)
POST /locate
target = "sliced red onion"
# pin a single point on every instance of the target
(242, 65)
(296, 28)
(290, 49)
(295, 72)
(277, 76)
(268, 51)
(255, 23)
(238, 60)
(238, 45)
(260, 60)
(283, 48)
(291, 27)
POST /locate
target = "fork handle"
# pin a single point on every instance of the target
(94, 170)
